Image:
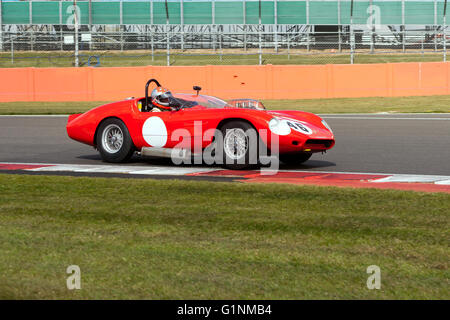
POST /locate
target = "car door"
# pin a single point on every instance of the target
(166, 129)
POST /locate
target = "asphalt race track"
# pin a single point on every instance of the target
(376, 143)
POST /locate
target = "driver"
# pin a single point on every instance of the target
(163, 99)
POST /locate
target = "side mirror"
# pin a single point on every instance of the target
(197, 88)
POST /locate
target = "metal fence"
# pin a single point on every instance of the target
(182, 32)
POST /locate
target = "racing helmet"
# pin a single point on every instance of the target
(161, 97)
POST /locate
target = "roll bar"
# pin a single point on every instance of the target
(146, 92)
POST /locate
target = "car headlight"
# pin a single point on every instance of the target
(327, 125)
(279, 127)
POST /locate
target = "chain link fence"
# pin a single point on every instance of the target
(182, 32)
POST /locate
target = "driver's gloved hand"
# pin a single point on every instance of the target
(174, 104)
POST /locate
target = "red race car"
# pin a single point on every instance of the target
(237, 134)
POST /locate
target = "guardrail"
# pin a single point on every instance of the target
(228, 82)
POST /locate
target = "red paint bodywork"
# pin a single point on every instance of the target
(82, 127)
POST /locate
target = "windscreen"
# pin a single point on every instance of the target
(205, 101)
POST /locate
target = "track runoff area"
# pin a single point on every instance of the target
(383, 151)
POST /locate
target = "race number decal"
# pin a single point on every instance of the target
(300, 127)
(284, 126)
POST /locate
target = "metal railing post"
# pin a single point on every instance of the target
(403, 26)
(221, 44)
(90, 24)
(214, 29)
(61, 36)
(259, 34)
(151, 31)
(245, 24)
(444, 33)
(276, 24)
(307, 25)
(121, 26)
(289, 45)
(12, 50)
(339, 27)
(435, 25)
(1, 26)
(445, 41)
(30, 21)
(352, 38)
(167, 34)
(77, 61)
(30, 12)
(218, 35)
(213, 32)
(372, 31)
(182, 25)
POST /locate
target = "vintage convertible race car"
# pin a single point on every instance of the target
(182, 126)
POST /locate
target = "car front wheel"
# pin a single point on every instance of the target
(114, 141)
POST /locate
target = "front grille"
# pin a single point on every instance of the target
(316, 142)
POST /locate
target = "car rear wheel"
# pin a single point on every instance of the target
(295, 158)
(114, 141)
(239, 144)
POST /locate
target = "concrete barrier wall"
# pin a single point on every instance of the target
(259, 82)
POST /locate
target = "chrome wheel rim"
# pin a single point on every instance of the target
(235, 143)
(112, 138)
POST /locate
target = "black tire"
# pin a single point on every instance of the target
(125, 150)
(245, 160)
(295, 158)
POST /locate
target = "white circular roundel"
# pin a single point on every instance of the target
(154, 132)
(279, 127)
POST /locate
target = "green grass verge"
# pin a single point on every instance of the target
(343, 105)
(365, 105)
(136, 58)
(48, 107)
(177, 239)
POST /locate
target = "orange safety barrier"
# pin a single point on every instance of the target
(228, 82)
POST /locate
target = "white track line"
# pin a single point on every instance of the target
(148, 170)
(443, 182)
(180, 171)
(207, 169)
(412, 178)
